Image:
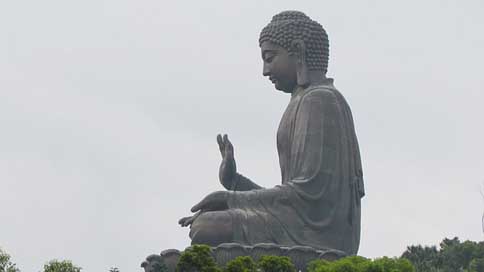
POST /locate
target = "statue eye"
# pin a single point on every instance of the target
(269, 58)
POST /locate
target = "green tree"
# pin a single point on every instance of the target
(423, 258)
(348, 264)
(319, 266)
(5, 264)
(477, 265)
(275, 264)
(61, 266)
(392, 265)
(241, 264)
(197, 258)
(360, 264)
(452, 256)
(456, 255)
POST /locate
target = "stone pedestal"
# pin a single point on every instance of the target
(300, 255)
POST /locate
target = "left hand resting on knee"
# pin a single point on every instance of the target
(216, 201)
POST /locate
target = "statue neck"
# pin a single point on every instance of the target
(316, 77)
(313, 78)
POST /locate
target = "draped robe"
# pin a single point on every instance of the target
(318, 202)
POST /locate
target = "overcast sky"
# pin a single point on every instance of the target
(109, 111)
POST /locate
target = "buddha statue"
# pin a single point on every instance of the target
(317, 203)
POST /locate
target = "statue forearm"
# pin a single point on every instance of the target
(241, 183)
(246, 200)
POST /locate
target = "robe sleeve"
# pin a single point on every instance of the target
(307, 140)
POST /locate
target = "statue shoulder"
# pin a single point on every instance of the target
(326, 94)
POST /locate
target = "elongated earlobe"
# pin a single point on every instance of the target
(299, 49)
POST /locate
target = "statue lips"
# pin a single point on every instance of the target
(273, 80)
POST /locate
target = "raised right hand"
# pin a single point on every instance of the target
(228, 170)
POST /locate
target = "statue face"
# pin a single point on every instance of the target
(279, 66)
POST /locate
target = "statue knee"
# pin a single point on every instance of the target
(212, 228)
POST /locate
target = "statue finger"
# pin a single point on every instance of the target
(183, 220)
(226, 142)
(190, 220)
(229, 148)
(225, 139)
(187, 222)
(220, 144)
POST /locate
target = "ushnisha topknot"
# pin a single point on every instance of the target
(288, 26)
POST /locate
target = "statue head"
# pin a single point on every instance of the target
(292, 46)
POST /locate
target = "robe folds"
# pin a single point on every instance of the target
(318, 202)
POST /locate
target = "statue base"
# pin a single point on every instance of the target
(300, 255)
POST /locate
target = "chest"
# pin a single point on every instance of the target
(286, 128)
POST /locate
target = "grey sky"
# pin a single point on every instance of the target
(109, 111)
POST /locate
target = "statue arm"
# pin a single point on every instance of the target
(316, 109)
(241, 183)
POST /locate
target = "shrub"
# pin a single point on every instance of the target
(348, 264)
(197, 258)
(5, 264)
(477, 265)
(275, 264)
(453, 255)
(61, 266)
(360, 264)
(393, 265)
(241, 264)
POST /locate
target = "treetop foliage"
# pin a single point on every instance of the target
(275, 264)
(5, 264)
(360, 264)
(197, 258)
(61, 266)
(452, 256)
(241, 264)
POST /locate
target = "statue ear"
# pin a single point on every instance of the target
(299, 49)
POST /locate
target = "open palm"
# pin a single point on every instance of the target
(228, 169)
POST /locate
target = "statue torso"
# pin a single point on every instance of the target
(284, 136)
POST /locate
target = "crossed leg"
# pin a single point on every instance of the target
(212, 228)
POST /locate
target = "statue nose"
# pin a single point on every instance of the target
(266, 70)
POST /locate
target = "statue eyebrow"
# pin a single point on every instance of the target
(268, 51)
